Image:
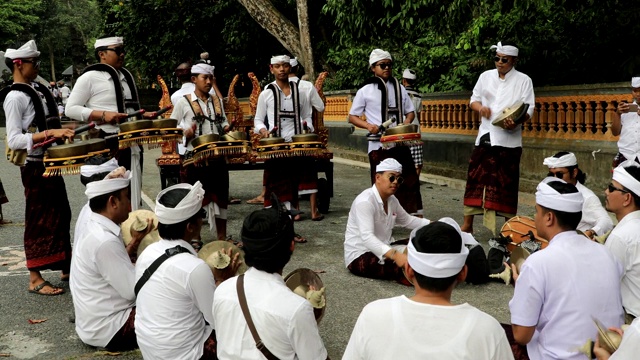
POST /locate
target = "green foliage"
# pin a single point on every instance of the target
(17, 18)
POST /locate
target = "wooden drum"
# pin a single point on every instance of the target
(406, 135)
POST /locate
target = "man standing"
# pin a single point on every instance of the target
(64, 92)
(408, 81)
(47, 242)
(283, 321)
(427, 325)
(198, 114)
(626, 123)
(369, 248)
(384, 99)
(566, 285)
(102, 275)
(174, 306)
(623, 199)
(494, 168)
(183, 73)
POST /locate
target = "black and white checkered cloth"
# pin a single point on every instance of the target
(416, 154)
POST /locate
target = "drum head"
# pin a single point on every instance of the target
(519, 229)
(307, 283)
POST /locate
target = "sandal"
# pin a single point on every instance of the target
(234, 201)
(299, 239)
(37, 289)
(238, 244)
(256, 201)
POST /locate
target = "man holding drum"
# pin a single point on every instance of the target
(494, 167)
(199, 114)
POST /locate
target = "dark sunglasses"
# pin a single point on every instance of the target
(119, 50)
(612, 188)
(558, 174)
(503, 60)
(36, 63)
(385, 66)
(393, 178)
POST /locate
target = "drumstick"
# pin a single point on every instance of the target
(78, 130)
(161, 111)
(134, 114)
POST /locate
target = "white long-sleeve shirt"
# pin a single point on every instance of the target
(369, 227)
(184, 114)
(594, 216)
(498, 94)
(629, 141)
(624, 243)
(20, 114)
(265, 110)
(311, 92)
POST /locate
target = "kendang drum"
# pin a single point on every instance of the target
(519, 229)
(272, 148)
(407, 134)
(306, 145)
(307, 284)
(67, 159)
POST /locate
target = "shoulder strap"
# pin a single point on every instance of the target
(40, 118)
(116, 81)
(135, 102)
(156, 264)
(276, 107)
(245, 311)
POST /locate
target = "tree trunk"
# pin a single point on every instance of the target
(53, 67)
(305, 39)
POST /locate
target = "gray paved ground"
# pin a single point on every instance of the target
(346, 294)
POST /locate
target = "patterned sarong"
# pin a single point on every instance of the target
(493, 179)
(214, 178)
(409, 192)
(519, 351)
(47, 242)
(368, 265)
(125, 339)
(281, 179)
(307, 175)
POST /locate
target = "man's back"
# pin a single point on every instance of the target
(400, 328)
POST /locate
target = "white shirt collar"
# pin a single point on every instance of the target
(107, 223)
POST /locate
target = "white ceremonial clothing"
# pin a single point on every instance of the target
(562, 287)
(369, 227)
(624, 243)
(594, 215)
(64, 93)
(183, 113)
(368, 102)
(630, 345)
(265, 109)
(629, 141)
(186, 88)
(497, 94)
(174, 304)
(400, 328)
(311, 91)
(284, 320)
(416, 100)
(82, 223)
(101, 282)
(20, 115)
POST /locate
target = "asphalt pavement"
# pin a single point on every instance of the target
(55, 338)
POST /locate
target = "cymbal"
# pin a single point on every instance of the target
(516, 112)
(518, 256)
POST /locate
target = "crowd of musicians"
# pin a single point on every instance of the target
(172, 304)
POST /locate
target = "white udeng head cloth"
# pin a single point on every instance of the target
(625, 179)
(202, 68)
(409, 74)
(90, 170)
(442, 265)
(116, 180)
(635, 82)
(114, 40)
(551, 199)
(25, 51)
(377, 55)
(280, 59)
(563, 161)
(506, 49)
(293, 62)
(389, 164)
(186, 208)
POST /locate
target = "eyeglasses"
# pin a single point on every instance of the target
(36, 63)
(612, 188)
(393, 178)
(503, 60)
(559, 174)
(119, 50)
(384, 66)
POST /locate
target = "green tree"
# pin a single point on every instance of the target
(16, 21)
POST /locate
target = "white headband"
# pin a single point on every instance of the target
(441, 265)
(409, 74)
(625, 179)
(635, 82)
(115, 40)
(506, 50)
(280, 59)
(563, 161)
(389, 164)
(186, 208)
(551, 199)
(90, 170)
(202, 68)
(377, 55)
(25, 51)
(293, 62)
(116, 180)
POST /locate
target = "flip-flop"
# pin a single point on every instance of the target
(239, 244)
(36, 290)
(255, 201)
(318, 218)
(299, 239)
(234, 201)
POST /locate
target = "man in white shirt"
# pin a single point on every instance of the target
(408, 81)
(565, 285)
(199, 113)
(494, 168)
(427, 325)
(183, 73)
(383, 99)
(369, 247)
(102, 275)
(629, 347)
(595, 219)
(64, 92)
(623, 200)
(283, 320)
(173, 317)
(626, 123)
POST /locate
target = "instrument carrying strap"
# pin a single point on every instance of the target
(156, 264)
(122, 102)
(41, 120)
(385, 110)
(199, 117)
(247, 315)
(278, 113)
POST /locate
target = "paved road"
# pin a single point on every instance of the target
(346, 294)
